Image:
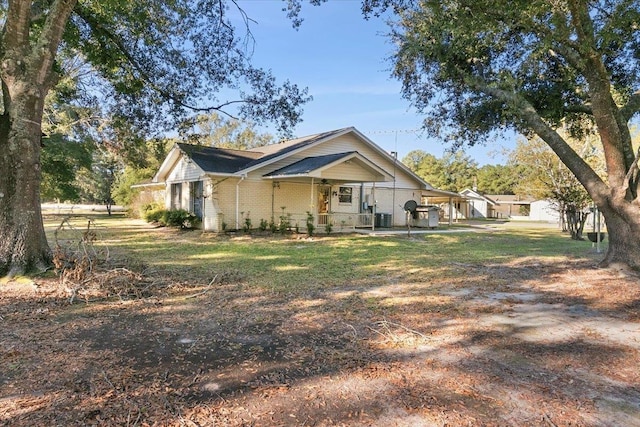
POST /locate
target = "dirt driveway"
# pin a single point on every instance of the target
(543, 345)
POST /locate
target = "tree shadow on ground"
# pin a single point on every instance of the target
(521, 343)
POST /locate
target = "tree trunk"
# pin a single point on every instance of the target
(26, 70)
(23, 243)
(624, 239)
(576, 220)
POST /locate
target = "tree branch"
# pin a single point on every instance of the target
(579, 108)
(141, 72)
(631, 107)
(16, 34)
(526, 112)
(47, 46)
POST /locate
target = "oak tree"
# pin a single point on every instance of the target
(149, 62)
(477, 67)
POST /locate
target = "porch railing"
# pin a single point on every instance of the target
(346, 221)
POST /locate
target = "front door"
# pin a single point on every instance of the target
(324, 204)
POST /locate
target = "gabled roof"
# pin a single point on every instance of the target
(511, 199)
(273, 152)
(309, 164)
(467, 192)
(314, 166)
(219, 160)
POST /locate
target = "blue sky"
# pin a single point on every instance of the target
(341, 58)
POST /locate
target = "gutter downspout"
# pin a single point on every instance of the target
(242, 178)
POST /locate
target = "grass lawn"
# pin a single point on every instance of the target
(496, 326)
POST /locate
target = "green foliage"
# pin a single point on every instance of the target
(498, 179)
(310, 224)
(180, 218)
(122, 192)
(154, 214)
(62, 160)
(285, 222)
(171, 218)
(543, 176)
(246, 226)
(328, 228)
(453, 172)
(166, 57)
(264, 224)
(215, 131)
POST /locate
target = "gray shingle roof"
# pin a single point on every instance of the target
(309, 164)
(220, 160)
(223, 160)
(274, 150)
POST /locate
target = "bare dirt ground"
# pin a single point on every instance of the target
(538, 345)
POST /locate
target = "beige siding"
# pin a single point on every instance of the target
(349, 172)
(343, 144)
(185, 171)
(353, 207)
(260, 200)
(387, 202)
(254, 201)
(223, 199)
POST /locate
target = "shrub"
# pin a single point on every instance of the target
(154, 215)
(310, 226)
(172, 218)
(246, 227)
(263, 225)
(285, 223)
(328, 228)
(180, 218)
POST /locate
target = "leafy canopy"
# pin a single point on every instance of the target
(150, 64)
(471, 65)
(453, 172)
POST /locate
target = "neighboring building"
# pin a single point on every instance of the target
(477, 205)
(505, 206)
(544, 210)
(339, 176)
(511, 206)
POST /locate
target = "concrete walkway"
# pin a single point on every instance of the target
(460, 227)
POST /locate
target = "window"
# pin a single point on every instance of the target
(196, 197)
(345, 195)
(176, 196)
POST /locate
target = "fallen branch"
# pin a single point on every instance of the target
(548, 420)
(388, 334)
(206, 290)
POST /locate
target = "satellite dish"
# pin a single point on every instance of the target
(410, 205)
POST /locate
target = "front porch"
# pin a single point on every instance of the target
(338, 198)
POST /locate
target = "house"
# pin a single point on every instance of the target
(511, 206)
(544, 210)
(507, 206)
(339, 177)
(477, 205)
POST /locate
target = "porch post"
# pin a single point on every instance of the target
(450, 210)
(312, 204)
(238, 201)
(373, 210)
